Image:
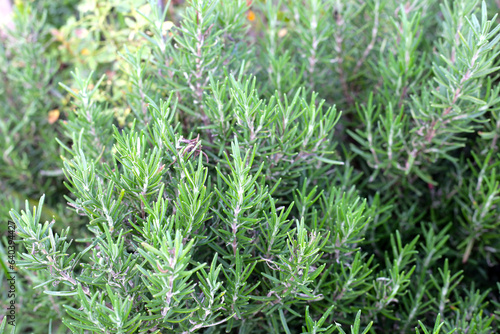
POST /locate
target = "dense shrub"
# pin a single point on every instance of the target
(286, 166)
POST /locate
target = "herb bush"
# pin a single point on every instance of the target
(286, 167)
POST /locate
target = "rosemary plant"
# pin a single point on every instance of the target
(286, 167)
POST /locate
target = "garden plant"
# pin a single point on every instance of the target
(238, 166)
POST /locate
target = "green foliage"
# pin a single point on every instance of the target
(28, 70)
(281, 166)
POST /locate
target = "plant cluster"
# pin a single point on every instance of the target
(286, 167)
